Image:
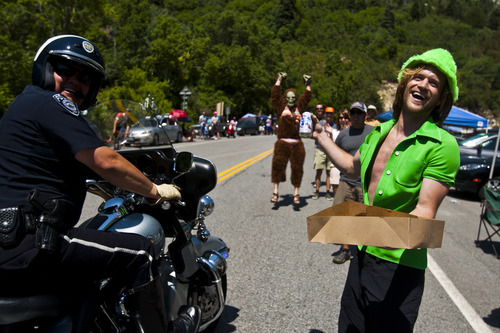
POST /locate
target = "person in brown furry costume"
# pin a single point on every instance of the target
(289, 145)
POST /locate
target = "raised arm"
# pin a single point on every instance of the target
(305, 98)
(277, 102)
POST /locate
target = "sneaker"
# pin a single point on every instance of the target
(342, 257)
(328, 197)
(316, 196)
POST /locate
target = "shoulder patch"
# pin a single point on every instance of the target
(67, 104)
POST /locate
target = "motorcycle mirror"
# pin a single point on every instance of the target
(183, 162)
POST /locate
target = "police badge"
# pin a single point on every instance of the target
(68, 105)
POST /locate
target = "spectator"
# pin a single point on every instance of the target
(370, 116)
(350, 140)
(343, 121)
(188, 134)
(234, 123)
(406, 164)
(215, 126)
(321, 161)
(329, 115)
(269, 125)
(202, 120)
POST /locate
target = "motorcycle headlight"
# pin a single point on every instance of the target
(206, 205)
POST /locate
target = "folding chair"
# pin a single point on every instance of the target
(490, 216)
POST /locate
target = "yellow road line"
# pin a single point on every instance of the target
(229, 172)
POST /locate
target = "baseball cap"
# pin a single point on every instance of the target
(329, 109)
(372, 107)
(442, 60)
(358, 105)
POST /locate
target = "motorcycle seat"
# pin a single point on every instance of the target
(18, 309)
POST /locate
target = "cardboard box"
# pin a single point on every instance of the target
(358, 224)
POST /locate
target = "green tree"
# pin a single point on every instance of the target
(286, 19)
(230, 50)
(494, 19)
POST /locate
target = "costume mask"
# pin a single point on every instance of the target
(290, 99)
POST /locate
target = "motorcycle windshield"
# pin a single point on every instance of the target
(115, 119)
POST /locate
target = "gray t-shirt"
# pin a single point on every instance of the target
(350, 139)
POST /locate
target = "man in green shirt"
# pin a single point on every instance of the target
(408, 165)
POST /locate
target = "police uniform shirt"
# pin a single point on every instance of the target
(40, 134)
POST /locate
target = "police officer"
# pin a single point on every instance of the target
(45, 147)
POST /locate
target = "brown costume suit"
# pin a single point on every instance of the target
(288, 129)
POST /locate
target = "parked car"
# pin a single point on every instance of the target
(474, 173)
(476, 157)
(172, 127)
(479, 145)
(154, 130)
(248, 125)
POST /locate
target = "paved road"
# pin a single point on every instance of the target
(279, 282)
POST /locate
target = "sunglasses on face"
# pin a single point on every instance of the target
(344, 118)
(68, 71)
(356, 112)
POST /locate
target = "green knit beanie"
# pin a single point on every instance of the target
(442, 60)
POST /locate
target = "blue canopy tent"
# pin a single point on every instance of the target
(457, 117)
(384, 116)
(462, 118)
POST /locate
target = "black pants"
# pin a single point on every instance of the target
(85, 256)
(380, 296)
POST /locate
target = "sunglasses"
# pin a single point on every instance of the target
(68, 71)
(343, 117)
(356, 112)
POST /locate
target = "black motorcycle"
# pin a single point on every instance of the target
(192, 261)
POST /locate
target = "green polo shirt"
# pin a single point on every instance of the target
(430, 152)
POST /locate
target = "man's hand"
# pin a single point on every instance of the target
(281, 76)
(167, 192)
(307, 79)
(317, 128)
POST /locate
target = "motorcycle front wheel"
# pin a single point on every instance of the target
(205, 296)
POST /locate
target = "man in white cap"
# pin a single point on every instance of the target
(370, 116)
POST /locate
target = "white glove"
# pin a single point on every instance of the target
(307, 79)
(281, 76)
(167, 192)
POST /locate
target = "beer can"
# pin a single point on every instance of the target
(305, 129)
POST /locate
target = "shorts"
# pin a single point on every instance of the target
(321, 162)
(347, 192)
(334, 175)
